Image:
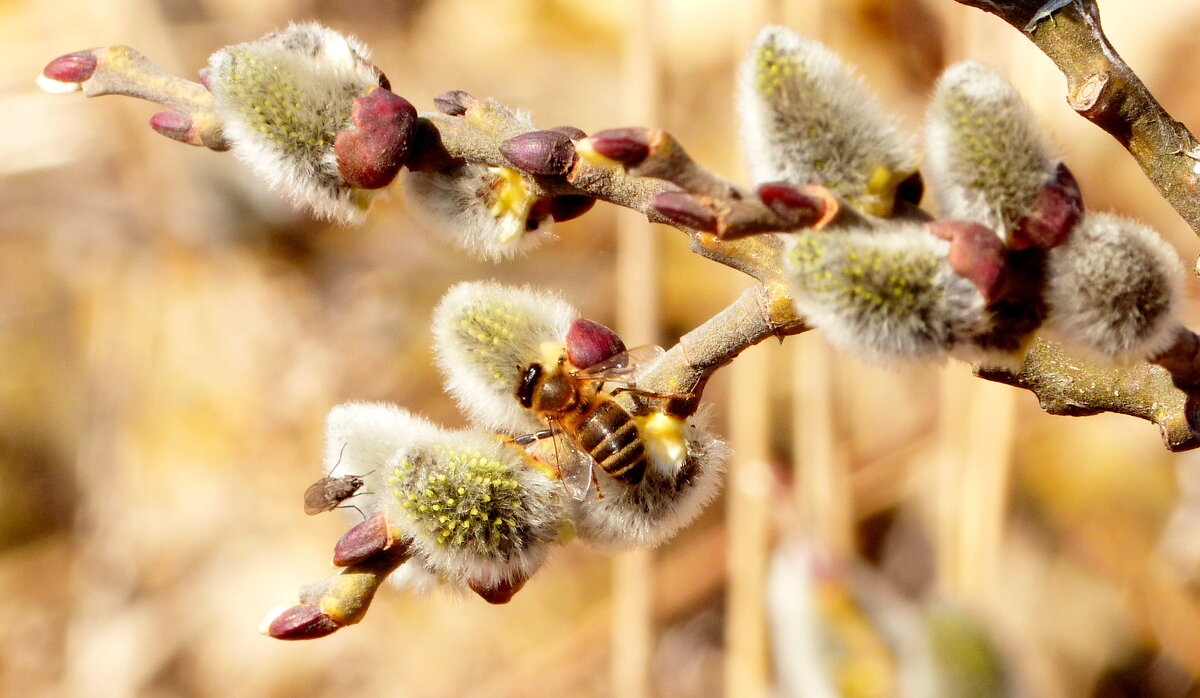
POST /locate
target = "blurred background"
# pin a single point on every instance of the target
(172, 335)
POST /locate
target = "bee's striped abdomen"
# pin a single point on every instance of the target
(610, 436)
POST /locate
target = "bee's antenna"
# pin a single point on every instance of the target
(557, 457)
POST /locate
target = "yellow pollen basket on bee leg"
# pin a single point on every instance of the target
(665, 441)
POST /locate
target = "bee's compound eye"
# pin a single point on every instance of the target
(527, 385)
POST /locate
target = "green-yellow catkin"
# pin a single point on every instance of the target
(282, 101)
(807, 119)
(883, 295)
(484, 335)
(473, 506)
(987, 156)
(666, 500)
(488, 211)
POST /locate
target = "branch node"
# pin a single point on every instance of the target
(1085, 96)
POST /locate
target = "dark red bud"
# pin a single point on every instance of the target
(568, 206)
(561, 208)
(302, 622)
(1058, 209)
(173, 124)
(911, 189)
(454, 102)
(685, 209)
(571, 132)
(976, 254)
(589, 343)
(361, 542)
(540, 152)
(73, 67)
(789, 203)
(628, 146)
(499, 594)
(371, 151)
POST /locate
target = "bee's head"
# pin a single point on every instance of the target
(545, 390)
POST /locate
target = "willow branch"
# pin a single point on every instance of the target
(760, 312)
(648, 171)
(1103, 88)
(721, 218)
(1066, 385)
(480, 132)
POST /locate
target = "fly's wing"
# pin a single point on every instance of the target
(316, 497)
(622, 367)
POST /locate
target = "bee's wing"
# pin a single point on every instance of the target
(316, 499)
(621, 367)
(574, 466)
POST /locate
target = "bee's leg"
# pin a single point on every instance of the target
(596, 483)
(526, 439)
(657, 396)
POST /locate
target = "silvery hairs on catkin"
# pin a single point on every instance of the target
(484, 334)
(807, 119)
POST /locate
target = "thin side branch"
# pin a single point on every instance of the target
(121, 70)
(477, 135)
(1104, 89)
(762, 311)
(1066, 385)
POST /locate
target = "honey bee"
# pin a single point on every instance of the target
(572, 400)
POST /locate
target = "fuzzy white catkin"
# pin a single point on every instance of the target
(473, 507)
(883, 295)
(484, 210)
(658, 507)
(484, 335)
(282, 101)
(361, 437)
(807, 119)
(1114, 289)
(987, 156)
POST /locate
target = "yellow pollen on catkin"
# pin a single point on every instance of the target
(513, 200)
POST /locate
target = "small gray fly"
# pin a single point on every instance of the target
(328, 493)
